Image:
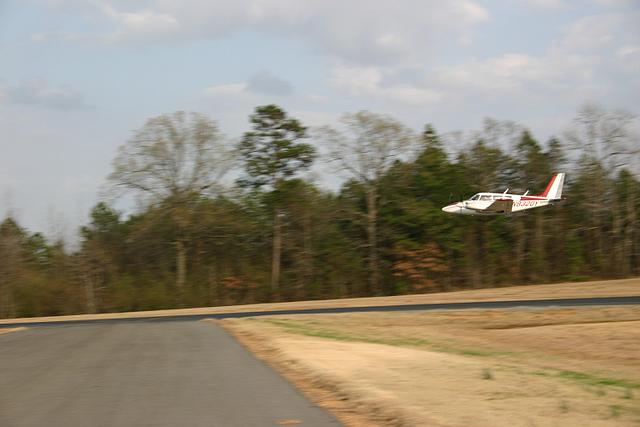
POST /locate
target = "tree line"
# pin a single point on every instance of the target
(242, 223)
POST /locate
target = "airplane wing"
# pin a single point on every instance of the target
(500, 206)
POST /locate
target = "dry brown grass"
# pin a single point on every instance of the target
(625, 287)
(516, 367)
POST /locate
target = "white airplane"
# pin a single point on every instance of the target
(503, 203)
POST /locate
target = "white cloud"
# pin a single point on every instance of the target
(147, 21)
(627, 51)
(553, 5)
(504, 77)
(534, 77)
(616, 3)
(546, 4)
(602, 31)
(369, 82)
(232, 89)
(582, 64)
(374, 45)
(38, 92)
(357, 80)
(471, 12)
(143, 25)
(261, 85)
(629, 58)
(358, 31)
(507, 79)
(591, 32)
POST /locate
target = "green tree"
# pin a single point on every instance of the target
(12, 257)
(413, 194)
(486, 167)
(101, 247)
(271, 154)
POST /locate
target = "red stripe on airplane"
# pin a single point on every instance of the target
(546, 190)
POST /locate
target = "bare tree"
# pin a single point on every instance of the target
(605, 136)
(173, 159)
(366, 147)
(609, 144)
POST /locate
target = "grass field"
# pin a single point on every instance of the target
(515, 367)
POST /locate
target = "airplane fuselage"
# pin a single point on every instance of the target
(484, 200)
(504, 203)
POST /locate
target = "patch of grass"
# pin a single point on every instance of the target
(301, 328)
(563, 406)
(615, 411)
(470, 352)
(628, 393)
(487, 374)
(596, 380)
(589, 379)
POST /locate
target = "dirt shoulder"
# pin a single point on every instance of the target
(320, 389)
(607, 288)
(516, 367)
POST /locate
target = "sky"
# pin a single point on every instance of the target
(78, 77)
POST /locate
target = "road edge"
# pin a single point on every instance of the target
(323, 392)
(622, 288)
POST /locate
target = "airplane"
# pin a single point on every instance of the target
(504, 203)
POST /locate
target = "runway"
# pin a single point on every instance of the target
(186, 373)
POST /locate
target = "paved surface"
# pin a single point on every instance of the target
(565, 302)
(138, 374)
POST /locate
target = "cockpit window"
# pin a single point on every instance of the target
(476, 197)
(485, 197)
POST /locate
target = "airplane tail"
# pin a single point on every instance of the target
(554, 187)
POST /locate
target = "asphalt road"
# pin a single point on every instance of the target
(136, 374)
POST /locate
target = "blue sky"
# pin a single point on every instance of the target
(77, 77)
